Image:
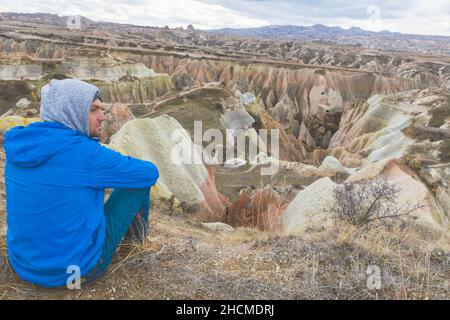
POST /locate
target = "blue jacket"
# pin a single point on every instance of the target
(55, 179)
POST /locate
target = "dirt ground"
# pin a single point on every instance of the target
(196, 263)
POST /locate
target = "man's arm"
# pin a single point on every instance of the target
(111, 169)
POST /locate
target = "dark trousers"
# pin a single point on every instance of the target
(126, 214)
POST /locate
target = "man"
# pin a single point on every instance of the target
(56, 172)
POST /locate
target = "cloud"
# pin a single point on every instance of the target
(142, 12)
(417, 16)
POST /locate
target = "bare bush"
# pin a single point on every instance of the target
(260, 208)
(369, 200)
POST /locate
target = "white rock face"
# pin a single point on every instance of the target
(376, 129)
(389, 146)
(246, 98)
(20, 72)
(309, 207)
(23, 103)
(88, 70)
(235, 163)
(332, 165)
(153, 140)
(83, 70)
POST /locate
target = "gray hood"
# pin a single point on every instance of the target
(68, 102)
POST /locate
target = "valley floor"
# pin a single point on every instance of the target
(197, 263)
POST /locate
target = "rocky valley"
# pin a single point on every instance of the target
(344, 116)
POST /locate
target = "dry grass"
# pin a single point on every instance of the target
(260, 208)
(196, 263)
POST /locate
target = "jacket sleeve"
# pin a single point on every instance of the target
(110, 169)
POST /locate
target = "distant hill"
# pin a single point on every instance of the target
(314, 32)
(354, 36)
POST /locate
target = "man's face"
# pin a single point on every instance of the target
(96, 118)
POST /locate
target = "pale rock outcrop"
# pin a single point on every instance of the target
(235, 163)
(88, 70)
(332, 165)
(411, 190)
(23, 103)
(345, 157)
(375, 128)
(309, 209)
(83, 69)
(246, 99)
(21, 72)
(183, 176)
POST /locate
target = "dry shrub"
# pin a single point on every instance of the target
(367, 201)
(258, 209)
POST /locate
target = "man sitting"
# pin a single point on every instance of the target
(55, 175)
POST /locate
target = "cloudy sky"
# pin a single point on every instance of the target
(417, 16)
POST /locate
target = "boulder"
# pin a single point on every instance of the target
(246, 98)
(235, 163)
(332, 165)
(309, 209)
(184, 179)
(23, 103)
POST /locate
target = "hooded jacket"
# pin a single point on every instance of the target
(55, 177)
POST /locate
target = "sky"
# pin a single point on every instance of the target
(414, 17)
